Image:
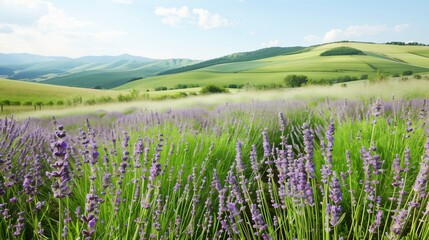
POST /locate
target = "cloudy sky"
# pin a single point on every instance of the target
(201, 29)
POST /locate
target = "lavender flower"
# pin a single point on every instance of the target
(399, 221)
(308, 135)
(61, 170)
(376, 224)
(266, 144)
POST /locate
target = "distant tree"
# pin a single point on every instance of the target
(380, 76)
(294, 81)
(134, 94)
(364, 76)
(28, 103)
(417, 76)
(407, 73)
(97, 87)
(90, 101)
(342, 51)
(162, 88)
(4, 103)
(38, 104)
(60, 103)
(213, 89)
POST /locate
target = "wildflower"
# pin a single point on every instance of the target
(399, 221)
(376, 224)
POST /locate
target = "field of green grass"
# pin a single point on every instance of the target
(26, 91)
(392, 59)
(357, 90)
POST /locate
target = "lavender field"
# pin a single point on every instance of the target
(261, 170)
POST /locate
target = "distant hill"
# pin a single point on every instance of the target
(387, 58)
(88, 71)
(25, 58)
(238, 57)
(117, 73)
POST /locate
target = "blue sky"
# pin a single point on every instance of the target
(200, 29)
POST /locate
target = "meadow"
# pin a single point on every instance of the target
(310, 163)
(391, 59)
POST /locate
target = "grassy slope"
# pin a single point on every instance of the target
(238, 57)
(361, 90)
(386, 58)
(25, 91)
(113, 74)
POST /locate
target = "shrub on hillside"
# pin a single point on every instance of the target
(213, 89)
(162, 88)
(342, 51)
(295, 80)
(407, 73)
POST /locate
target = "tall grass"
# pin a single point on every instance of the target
(271, 170)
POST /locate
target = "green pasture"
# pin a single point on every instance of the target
(391, 59)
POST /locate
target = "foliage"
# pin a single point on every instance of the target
(407, 73)
(380, 76)
(294, 81)
(162, 88)
(184, 86)
(208, 89)
(364, 76)
(408, 43)
(338, 51)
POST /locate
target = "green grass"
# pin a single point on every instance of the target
(357, 90)
(25, 91)
(379, 57)
(113, 74)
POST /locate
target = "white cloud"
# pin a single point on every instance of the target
(35, 4)
(56, 19)
(354, 31)
(173, 16)
(209, 20)
(401, 27)
(272, 43)
(6, 29)
(201, 17)
(122, 1)
(50, 32)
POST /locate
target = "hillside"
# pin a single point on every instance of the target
(238, 57)
(34, 92)
(393, 59)
(113, 74)
(88, 72)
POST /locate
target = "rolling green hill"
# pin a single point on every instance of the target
(88, 72)
(21, 91)
(110, 75)
(238, 57)
(392, 59)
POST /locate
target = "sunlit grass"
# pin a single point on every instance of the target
(359, 90)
